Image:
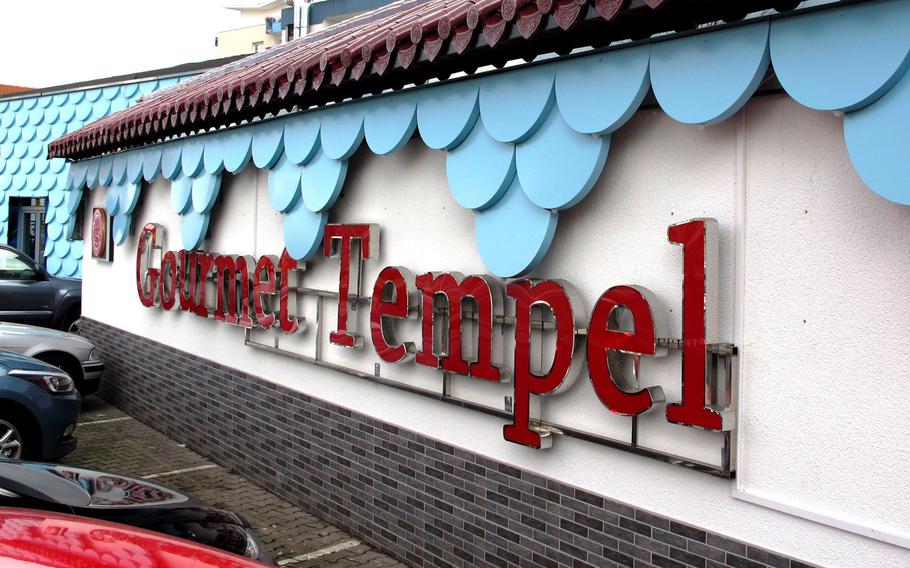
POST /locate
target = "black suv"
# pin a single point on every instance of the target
(28, 294)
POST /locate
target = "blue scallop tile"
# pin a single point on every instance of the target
(92, 95)
(480, 169)
(43, 132)
(389, 122)
(91, 173)
(48, 181)
(51, 115)
(44, 102)
(170, 160)
(706, 78)
(112, 199)
(193, 227)
(41, 166)
(148, 86)
(843, 58)
(54, 231)
(58, 130)
(341, 131)
(321, 182)
(21, 118)
(72, 199)
(77, 249)
(121, 230)
(151, 163)
(118, 169)
(69, 267)
(109, 93)
(129, 197)
(6, 180)
(7, 119)
(36, 116)
(67, 113)
(105, 170)
(301, 137)
(237, 149)
(129, 89)
(134, 166)
(13, 134)
(267, 143)
(53, 265)
(15, 104)
(75, 97)
(59, 99)
(191, 156)
(119, 104)
(77, 174)
(513, 235)
(32, 181)
(181, 194)
(55, 198)
(514, 104)
(213, 154)
(446, 114)
(284, 185)
(3, 106)
(27, 133)
(205, 192)
(37, 149)
(100, 109)
(84, 110)
(303, 231)
(878, 142)
(6, 150)
(48, 247)
(57, 165)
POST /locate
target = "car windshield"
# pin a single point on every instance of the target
(81, 487)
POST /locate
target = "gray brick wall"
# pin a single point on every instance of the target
(420, 500)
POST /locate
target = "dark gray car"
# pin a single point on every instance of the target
(28, 294)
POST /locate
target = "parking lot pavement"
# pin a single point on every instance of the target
(111, 440)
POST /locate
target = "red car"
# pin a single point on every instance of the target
(39, 539)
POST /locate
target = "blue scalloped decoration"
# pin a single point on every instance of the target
(112, 199)
(480, 169)
(191, 156)
(121, 230)
(558, 167)
(105, 170)
(151, 163)
(301, 137)
(267, 143)
(303, 231)
(342, 130)
(389, 124)
(284, 185)
(878, 142)
(118, 168)
(706, 78)
(170, 160)
(91, 173)
(181, 194)
(513, 105)
(73, 197)
(205, 192)
(134, 166)
(237, 149)
(213, 154)
(193, 227)
(513, 235)
(843, 58)
(321, 182)
(446, 114)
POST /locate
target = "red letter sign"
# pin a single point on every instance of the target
(369, 241)
(288, 324)
(700, 253)
(264, 284)
(488, 297)
(560, 297)
(393, 305)
(146, 276)
(606, 342)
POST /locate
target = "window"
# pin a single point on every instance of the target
(258, 46)
(14, 267)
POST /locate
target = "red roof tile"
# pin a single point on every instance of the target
(407, 42)
(12, 89)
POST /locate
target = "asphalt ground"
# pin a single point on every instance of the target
(111, 440)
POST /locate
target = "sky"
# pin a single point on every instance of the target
(54, 42)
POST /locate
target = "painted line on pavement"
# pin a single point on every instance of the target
(176, 471)
(321, 552)
(120, 419)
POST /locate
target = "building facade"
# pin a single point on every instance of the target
(628, 305)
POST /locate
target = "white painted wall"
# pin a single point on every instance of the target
(823, 425)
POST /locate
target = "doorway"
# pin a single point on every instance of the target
(27, 231)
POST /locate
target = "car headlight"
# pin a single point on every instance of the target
(255, 549)
(54, 383)
(93, 355)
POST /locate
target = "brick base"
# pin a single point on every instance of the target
(420, 500)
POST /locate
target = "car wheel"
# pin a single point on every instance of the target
(73, 326)
(11, 440)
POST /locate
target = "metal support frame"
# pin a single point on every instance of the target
(720, 359)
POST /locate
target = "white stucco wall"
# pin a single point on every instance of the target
(824, 318)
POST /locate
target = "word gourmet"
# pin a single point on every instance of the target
(245, 290)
